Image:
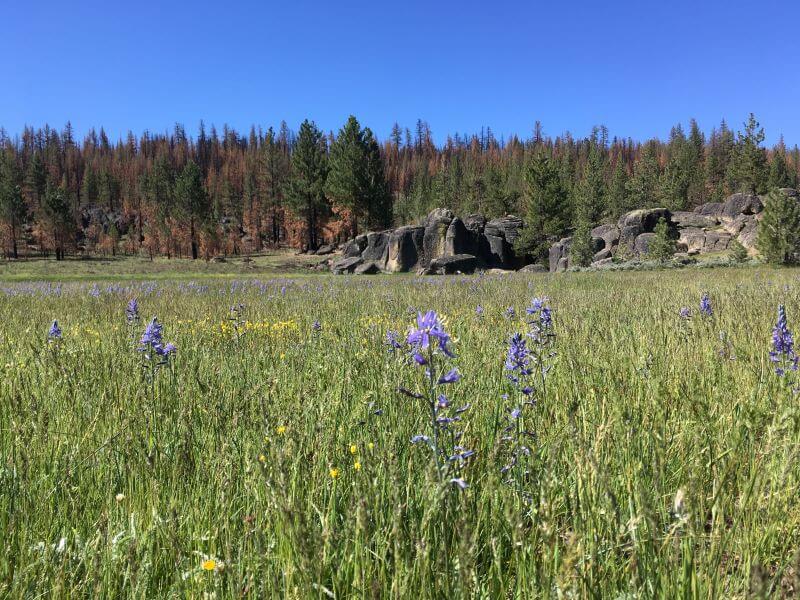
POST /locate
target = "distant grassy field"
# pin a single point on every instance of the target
(129, 267)
(272, 457)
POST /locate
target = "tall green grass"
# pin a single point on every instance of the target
(664, 468)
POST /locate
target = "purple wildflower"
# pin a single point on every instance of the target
(510, 312)
(315, 326)
(132, 311)
(783, 353)
(451, 377)
(685, 312)
(429, 333)
(705, 306)
(151, 340)
(393, 341)
(479, 310)
(54, 333)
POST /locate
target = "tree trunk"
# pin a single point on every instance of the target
(194, 241)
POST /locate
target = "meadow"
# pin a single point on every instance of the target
(271, 454)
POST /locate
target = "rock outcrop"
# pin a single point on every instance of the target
(710, 227)
(443, 243)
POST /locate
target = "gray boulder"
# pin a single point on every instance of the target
(355, 246)
(534, 268)
(367, 268)
(641, 245)
(716, 241)
(458, 239)
(608, 233)
(740, 204)
(710, 209)
(645, 219)
(325, 249)
(507, 227)
(559, 255)
(377, 247)
(498, 255)
(447, 265)
(692, 240)
(346, 265)
(405, 248)
(435, 238)
(475, 223)
(683, 218)
(748, 234)
(602, 254)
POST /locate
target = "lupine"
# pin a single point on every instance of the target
(705, 306)
(429, 345)
(783, 354)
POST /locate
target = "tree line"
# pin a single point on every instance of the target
(175, 195)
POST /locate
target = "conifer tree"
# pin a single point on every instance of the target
(778, 238)
(618, 197)
(662, 246)
(346, 185)
(305, 189)
(748, 168)
(778, 169)
(12, 204)
(643, 185)
(545, 206)
(192, 200)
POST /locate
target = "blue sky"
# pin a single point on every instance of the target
(637, 67)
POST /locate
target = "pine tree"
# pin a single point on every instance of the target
(748, 169)
(779, 229)
(192, 200)
(378, 194)
(662, 246)
(305, 189)
(778, 169)
(618, 197)
(347, 178)
(12, 204)
(545, 206)
(643, 185)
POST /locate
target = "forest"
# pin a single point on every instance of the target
(225, 192)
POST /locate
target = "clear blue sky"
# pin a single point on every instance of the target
(636, 66)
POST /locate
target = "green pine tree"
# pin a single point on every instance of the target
(545, 206)
(618, 197)
(347, 178)
(779, 170)
(643, 185)
(305, 189)
(748, 168)
(12, 204)
(778, 238)
(377, 192)
(192, 200)
(662, 246)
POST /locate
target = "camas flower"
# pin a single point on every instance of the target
(705, 306)
(429, 333)
(132, 311)
(783, 353)
(685, 312)
(152, 341)
(55, 332)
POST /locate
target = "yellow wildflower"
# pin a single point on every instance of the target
(334, 473)
(353, 449)
(357, 466)
(209, 564)
(262, 458)
(371, 446)
(281, 429)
